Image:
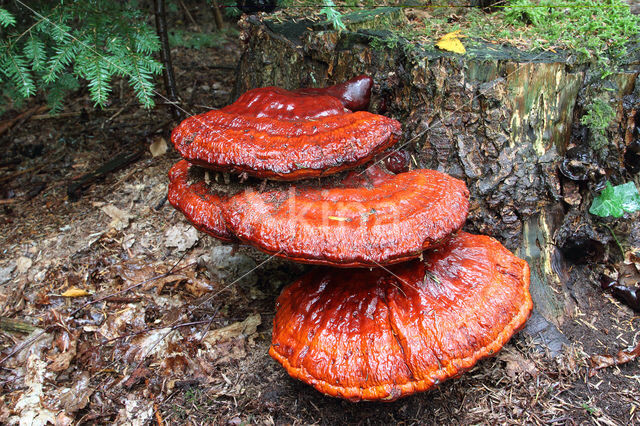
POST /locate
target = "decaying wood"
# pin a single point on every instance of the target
(20, 118)
(15, 326)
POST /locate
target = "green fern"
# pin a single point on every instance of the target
(55, 45)
(15, 68)
(6, 18)
(35, 51)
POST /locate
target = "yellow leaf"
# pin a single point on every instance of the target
(339, 219)
(451, 42)
(75, 292)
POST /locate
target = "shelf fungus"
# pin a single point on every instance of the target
(354, 94)
(200, 206)
(278, 134)
(390, 221)
(386, 333)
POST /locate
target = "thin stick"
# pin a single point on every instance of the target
(169, 77)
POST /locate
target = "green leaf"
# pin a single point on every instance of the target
(63, 57)
(616, 200)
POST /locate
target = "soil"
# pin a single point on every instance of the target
(111, 316)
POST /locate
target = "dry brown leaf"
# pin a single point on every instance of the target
(62, 360)
(244, 328)
(517, 365)
(158, 147)
(603, 361)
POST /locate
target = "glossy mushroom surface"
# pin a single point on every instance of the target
(354, 94)
(277, 134)
(386, 333)
(200, 206)
(391, 220)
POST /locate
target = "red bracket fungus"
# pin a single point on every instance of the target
(382, 334)
(200, 206)
(278, 134)
(389, 222)
(354, 94)
(358, 334)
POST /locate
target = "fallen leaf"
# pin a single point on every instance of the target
(62, 360)
(29, 406)
(517, 365)
(23, 264)
(181, 236)
(158, 147)
(75, 292)
(599, 362)
(451, 42)
(131, 317)
(244, 328)
(76, 397)
(119, 218)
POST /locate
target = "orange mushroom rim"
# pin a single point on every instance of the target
(387, 333)
(389, 221)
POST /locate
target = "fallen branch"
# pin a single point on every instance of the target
(74, 190)
(15, 326)
(24, 116)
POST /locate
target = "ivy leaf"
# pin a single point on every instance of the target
(616, 200)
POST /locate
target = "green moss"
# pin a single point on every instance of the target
(599, 114)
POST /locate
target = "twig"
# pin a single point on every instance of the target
(169, 78)
(217, 15)
(8, 124)
(131, 287)
(189, 16)
(74, 190)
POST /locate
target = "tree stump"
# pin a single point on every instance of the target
(504, 120)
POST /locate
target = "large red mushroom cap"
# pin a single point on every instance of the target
(200, 206)
(387, 333)
(276, 134)
(392, 220)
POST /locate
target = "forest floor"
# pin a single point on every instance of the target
(114, 309)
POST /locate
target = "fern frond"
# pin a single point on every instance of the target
(6, 18)
(35, 51)
(58, 91)
(16, 69)
(64, 55)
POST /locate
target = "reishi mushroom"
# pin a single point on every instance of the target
(385, 333)
(200, 206)
(390, 222)
(278, 134)
(359, 334)
(355, 94)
